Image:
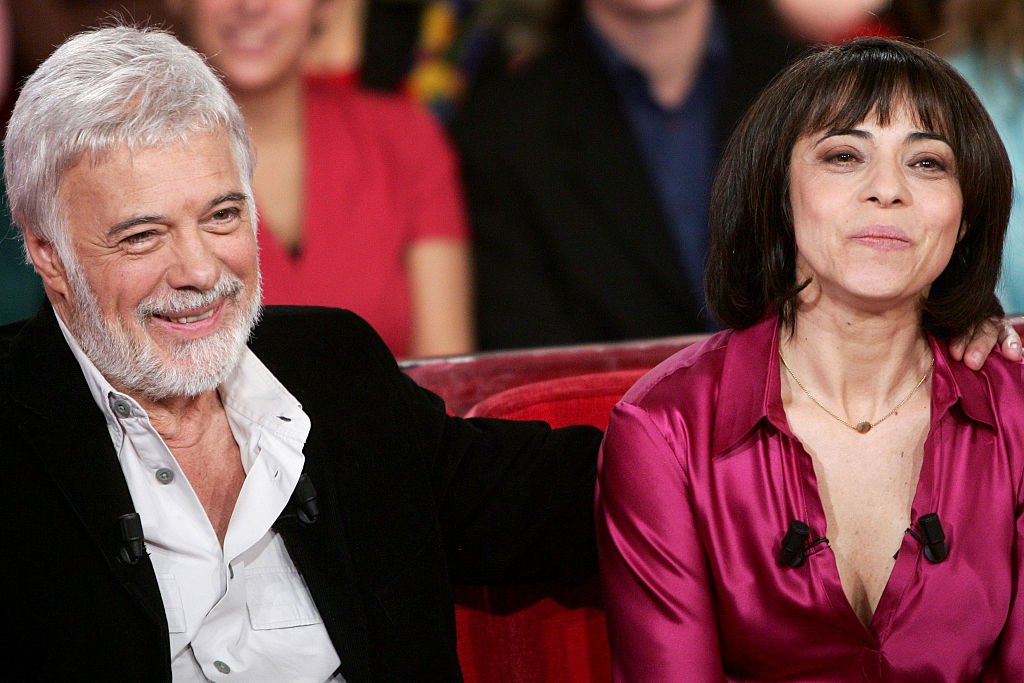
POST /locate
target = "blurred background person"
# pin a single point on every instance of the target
(588, 170)
(357, 192)
(984, 40)
(41, 25)
(435, 51)
(833, 21)
(21, 291)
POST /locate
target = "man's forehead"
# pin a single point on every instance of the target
(124, 182)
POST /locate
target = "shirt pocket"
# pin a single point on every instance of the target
(170, 595)
(277, 597)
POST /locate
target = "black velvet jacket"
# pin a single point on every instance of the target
(410, 499)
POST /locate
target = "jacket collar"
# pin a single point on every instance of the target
(67, 433)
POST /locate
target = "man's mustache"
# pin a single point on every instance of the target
(172, 302)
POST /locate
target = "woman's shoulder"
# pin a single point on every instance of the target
(993, 395)
(386, 110)
(692, 373)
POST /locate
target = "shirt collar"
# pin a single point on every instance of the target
(751, 373)
(251, 391)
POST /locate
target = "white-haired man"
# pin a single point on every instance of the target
(180, 504)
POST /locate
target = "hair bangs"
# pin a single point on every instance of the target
(873, 87)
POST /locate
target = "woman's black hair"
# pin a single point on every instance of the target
(752, 260)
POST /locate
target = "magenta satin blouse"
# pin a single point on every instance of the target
(699, 478)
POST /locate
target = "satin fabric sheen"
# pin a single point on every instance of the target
(699, 478)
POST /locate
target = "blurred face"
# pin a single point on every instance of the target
(642, 10)
(876, 212)
(162, 290)
(819, 21)
(255, 44)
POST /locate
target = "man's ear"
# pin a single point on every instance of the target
(47, 263)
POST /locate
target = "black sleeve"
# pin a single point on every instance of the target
(513, 501)
(514, 498)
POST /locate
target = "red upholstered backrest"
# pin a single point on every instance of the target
(464, 381)
(544, 633)
(548, 632)
(581, 399)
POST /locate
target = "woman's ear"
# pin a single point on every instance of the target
(47, 263)
(962, 232)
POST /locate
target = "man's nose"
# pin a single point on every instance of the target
(196, 264)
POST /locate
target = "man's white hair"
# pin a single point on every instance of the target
(100, 91)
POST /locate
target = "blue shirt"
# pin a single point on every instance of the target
(677, 145)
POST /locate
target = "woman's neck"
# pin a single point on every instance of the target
(859, 365)
(274, 111)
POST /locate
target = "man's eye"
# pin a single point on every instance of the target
(225, 214)
(139, 237)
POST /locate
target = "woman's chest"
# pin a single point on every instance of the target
(943, 616)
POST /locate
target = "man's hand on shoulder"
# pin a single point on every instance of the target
(974, 347)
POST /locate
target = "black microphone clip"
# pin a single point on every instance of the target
(134, 548)
(304, 500)
(795, 546)
(932, 537)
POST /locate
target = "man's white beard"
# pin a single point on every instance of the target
(136, 366)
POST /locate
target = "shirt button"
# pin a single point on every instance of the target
(165, 475)
(222, 667)
(120, 406)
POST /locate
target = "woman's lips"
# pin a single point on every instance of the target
(883, 237)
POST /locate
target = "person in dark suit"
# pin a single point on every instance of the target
(588, 171)
(179, 504)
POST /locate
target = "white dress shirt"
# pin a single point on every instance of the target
(241, 612)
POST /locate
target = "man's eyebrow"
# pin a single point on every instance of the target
(130, 223)
(229, 197)
(121, 227)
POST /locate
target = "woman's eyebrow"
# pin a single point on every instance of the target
(833, 132)
(926, 135)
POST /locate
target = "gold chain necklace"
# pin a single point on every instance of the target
(865, 426)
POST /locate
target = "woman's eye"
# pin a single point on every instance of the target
(930, 163)
(842, 157)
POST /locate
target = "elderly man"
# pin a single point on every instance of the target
(181, 505)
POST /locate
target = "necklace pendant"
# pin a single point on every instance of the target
(863, 427)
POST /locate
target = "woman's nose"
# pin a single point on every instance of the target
(886, 184)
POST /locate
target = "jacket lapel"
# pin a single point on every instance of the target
(68, 434)
(321, 551)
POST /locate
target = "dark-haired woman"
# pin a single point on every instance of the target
(820, 493)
